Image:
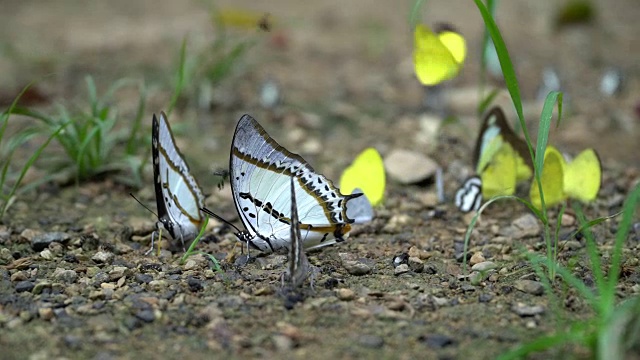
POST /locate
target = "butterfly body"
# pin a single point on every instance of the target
(260, 175)
(178, 195)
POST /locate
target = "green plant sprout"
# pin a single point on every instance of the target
(194, 243)
(8, 192)
(91, 142)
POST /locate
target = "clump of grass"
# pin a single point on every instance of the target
(10, 179)
(598, 333)
(92, 142)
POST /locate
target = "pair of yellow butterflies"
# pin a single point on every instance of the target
(438, 55)
(502, 160)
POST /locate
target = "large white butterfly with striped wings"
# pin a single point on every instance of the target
(260, 171)
(178, 195)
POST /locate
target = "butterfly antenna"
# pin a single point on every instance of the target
(214, 215)
(143, 205)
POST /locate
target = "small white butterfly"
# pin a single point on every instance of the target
(178, 195)
(469, 195)
(260, 171)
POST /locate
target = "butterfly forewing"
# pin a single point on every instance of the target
(178, 195)
(260, 180)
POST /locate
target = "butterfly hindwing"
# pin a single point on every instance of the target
(469, 195)
(260, 182)
(178, 195)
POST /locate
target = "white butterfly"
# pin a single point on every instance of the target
(178, 195)
(469, 195)
(260, 174)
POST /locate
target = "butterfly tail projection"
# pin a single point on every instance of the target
(299, 267)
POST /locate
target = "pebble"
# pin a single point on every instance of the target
(476, 258)
(45, 313)
(408, 167)
(525, 226)
(567, 220)
(437, 341)
(529, 287)
(476, 277)
(46, 254)
(353, 265)
(371, 341)
(419, 253)
(23, 286)
(64, 275)
(282, 342)
(102, 257)
(401, 269)
(484, 266)
(524, 310)
(143, 278)
(415, 264)
(18, 276)
(42, 241)
(145, 315)
(571, 245)
(345, 294)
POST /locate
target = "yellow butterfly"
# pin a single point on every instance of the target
(501, 160)
(579, 179)
(366, 173)
(437, 56)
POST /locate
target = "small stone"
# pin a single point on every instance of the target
(46, 254)
(102, 257)
(525, 226)
(18, 276)
(484, 266)
(64, 275)
(42, 241)
(401, 269)
(145, 315)
(476, 258)
(282, 342)
(23, 286)
(190, 265)
(143, 278)
(371, 341)
(345, 294)
(419, 253)
(567, 220)
(571, 245)
(524, 310)
(476, 277)
(485, 298)
(415, 264)
(265, 290)
(529, 287)
(45, 313)
(117, 273)
(40, 286)
(437, 341)
(408, 167)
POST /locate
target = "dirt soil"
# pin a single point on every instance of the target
(74, 278)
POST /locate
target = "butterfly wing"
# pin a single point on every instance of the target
(469, 195)
(260, 171)
(433, 61)
(178, 195)
(366, 173)
(552, 179)
(583, 176)
(299, 266)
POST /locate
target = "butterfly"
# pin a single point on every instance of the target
(437, 56)
(299, 266)
(501, 160)
(360, 209)
(579, 179)
(178, 195)
(259, 175)
(366, 173)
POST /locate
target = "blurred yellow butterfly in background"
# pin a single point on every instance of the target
(437, 56)
(366, 173)
(579, 179)
(501, 157)
(501, 160)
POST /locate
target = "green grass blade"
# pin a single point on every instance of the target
(27, 165)
(628, 213)
(195, 242)
(133, 143)
(484, 104)
(414, 14)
